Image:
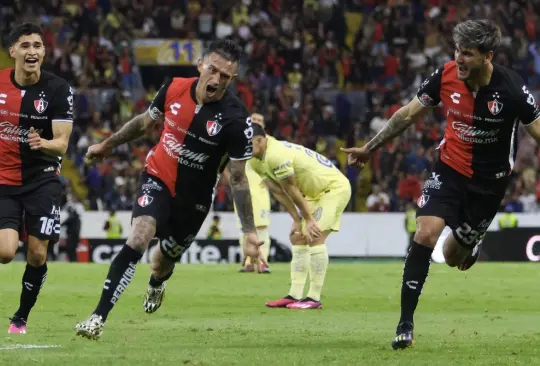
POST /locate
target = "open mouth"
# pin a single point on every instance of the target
(462, 69)
(31, 61)
(211, 89)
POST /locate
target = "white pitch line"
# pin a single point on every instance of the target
(28, 346)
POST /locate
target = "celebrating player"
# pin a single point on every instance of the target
(484, 103)
(205, 126)
(261, 210)
(37, 116)
(292, 172)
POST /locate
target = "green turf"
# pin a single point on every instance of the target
(215, 316)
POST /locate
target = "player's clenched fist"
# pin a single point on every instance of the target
(97, 153)
(358, 156)
(34, 140)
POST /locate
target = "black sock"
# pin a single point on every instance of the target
(155, 282)
(120, 275)
(32, 281)
(414, 275)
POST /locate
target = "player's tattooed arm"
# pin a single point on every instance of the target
(399, 122)
(131, 130)
(242, 195)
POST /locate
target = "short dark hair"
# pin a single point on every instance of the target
(482, 34)
(24, 29)
(258, 130)
(226, 48)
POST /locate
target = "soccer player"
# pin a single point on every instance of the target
(303, 179)
(36, 110)
(484, 103)
(261, 210)
(205, 126)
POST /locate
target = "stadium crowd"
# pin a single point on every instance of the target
(304, 70)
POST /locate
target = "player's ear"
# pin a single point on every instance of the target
(489, 56)
(200, 67)
(12, 52)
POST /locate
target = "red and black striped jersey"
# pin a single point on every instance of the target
(480, 139)
(197, 140)
(23, 107)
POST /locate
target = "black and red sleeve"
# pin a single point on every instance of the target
(62, 104)
(429, 93)
(157, 107)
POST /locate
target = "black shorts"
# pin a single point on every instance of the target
(40, 208)
(467, 205)
(178, 219)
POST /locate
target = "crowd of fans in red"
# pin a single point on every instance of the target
(324, 73)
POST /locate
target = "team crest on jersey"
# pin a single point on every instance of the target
(145, 200)
(495, 107)
(422, 200)
(40, 105)
(213, 128)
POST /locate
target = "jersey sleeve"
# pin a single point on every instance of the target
(157, 107)
(239, 135)
(281, 165)
(526, 107)
(63, 104)
(429, 93)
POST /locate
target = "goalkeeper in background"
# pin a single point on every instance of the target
(260, 198)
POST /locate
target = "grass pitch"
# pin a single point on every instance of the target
(213, 315)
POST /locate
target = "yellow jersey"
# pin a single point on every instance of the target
(260, 198)
(314, 173)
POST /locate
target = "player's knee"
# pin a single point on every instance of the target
(36, 257)
(426, 236)
(142, 232)
(6, 257)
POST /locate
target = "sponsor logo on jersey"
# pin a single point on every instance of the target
(473, 134)
(145, 200)
(40, 105)
(422, 200)
(213, 128)
(495, 107)
(177, 150)
(11, 132)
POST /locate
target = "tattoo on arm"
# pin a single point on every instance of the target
(241, 194)
(130, 130)
(394, 127)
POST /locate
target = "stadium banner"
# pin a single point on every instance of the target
(200, 251)
(512, 245)
(177, 52)
(361, 234)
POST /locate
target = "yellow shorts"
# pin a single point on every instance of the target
(328, 208)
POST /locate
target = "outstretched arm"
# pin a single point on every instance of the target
(399, 122)
(131, 130)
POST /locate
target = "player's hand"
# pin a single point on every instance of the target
(34, 140)
(252, 249)
(358, 156)
(312, 230)
(97, 153)
(296, 228)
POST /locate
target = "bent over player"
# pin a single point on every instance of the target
(36, 110)
(301, 178)
(205, 126)
(484, 104)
